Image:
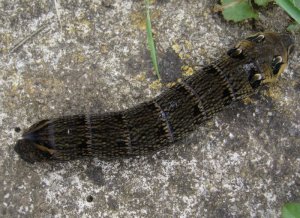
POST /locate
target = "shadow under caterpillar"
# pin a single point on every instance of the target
(153, 125)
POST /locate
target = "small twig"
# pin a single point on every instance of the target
(23, 41)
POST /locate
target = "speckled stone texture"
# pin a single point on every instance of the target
(91, 57)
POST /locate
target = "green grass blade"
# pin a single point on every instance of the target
(290, 8)
(150, 40)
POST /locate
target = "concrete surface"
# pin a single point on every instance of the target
(91, 57)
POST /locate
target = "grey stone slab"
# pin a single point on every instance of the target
(92, 57)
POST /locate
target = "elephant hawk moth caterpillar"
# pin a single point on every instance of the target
(153, 125)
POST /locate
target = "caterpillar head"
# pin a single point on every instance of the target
(264, 55)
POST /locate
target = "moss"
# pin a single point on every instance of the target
(141, 77)
(78, 57)
(187, 70)
(138, 19)
(6, 40)
(156, 85)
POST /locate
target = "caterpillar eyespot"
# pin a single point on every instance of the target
(258, 38)
(276, 64)
(235, 53)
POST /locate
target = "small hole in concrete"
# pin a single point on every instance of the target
(89, 198)
(17, 129)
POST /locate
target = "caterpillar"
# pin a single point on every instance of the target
(151, 126)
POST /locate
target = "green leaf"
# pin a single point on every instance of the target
(294, 27)
(237, 10)
(291, 210)
(262, 2)
(296, 3)
(150, 40)
(290, 7)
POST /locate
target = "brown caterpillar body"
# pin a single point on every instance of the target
(153, 125)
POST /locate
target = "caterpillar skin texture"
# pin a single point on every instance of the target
(153, 125)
